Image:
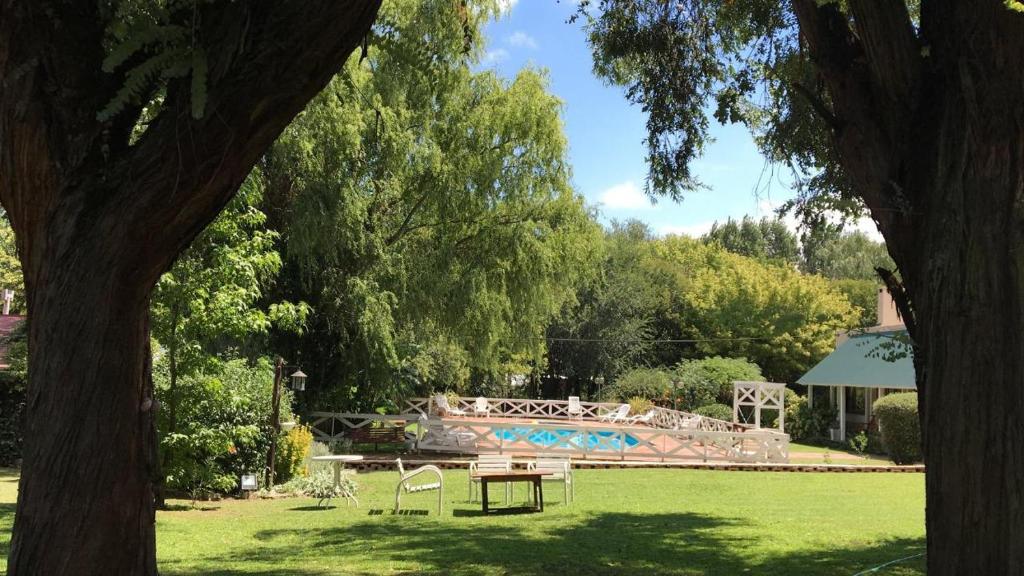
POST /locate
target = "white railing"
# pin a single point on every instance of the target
(666, 418)
(604, 442)
(480, 436)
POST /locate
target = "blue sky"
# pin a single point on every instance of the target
(606, 133)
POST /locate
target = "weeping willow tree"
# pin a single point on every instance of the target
(427, 213)
(911, 111)
(125, 127)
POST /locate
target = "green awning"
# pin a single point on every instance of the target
(874, 360)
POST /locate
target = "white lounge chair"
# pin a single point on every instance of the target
(617, 415)
(438, 435)
(482, 407)
(644, 418)
(405, 486)
(575, 409)
(489, 463)
(560, 470)
(445, 409)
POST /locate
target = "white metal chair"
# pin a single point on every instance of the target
(575, 408)
(560, 470)
(445, 409)
(489, 463)
(405, 486)
(616, 415)
(481, 406)
(644, 418)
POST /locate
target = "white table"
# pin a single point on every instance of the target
(338, 461)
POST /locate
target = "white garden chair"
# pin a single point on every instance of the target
(482, 407)
(575, 408)
(438, 435)
(559, 469)
(405, 486)
(489, 463)
(617, 415)
(445, 409)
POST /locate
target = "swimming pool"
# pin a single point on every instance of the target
(574, 438)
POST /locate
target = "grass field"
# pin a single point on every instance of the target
(679, 522)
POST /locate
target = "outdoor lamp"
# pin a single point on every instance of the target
(299, 380)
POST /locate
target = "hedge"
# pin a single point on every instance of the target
(719, 411)
(900, 426)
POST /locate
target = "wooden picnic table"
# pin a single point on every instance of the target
(529, 476)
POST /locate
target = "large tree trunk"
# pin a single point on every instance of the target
(99, 215)
(85, 503)
(929, 128)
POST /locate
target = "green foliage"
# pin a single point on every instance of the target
(427, 212)
(639, 405)
(859, 443)
(774, 316)
(853, 255)
(10, 266)
(648, 383)
(12, 395)
(293, 447)
(900, 426)
(149, 44)
(222, 429)
(804, 423)
(716, 374)
(768, 239)
(863, 296)
(719, 411)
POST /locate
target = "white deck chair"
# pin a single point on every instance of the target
(560, 468)
(445, 409)
(575, 409)
(617, 415)
(481, 406)
(644, 418)
(437, 434)
(405, 486)
(489, 463)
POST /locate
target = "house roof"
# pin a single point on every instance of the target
(873, 360)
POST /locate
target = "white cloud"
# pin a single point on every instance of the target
(495, 56)
(693, 230)
(626, 195)
(521, 39)
(506, 6)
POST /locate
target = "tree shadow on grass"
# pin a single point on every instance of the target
(598, 544)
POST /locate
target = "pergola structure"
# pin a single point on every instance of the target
(758, 396)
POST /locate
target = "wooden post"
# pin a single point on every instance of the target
(810, 396)
(275, 420)
(842, 413)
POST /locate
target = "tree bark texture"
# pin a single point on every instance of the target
(931, 135)
(98, 218)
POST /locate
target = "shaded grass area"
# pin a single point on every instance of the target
(672, 522)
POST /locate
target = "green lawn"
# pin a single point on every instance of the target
(623, 522)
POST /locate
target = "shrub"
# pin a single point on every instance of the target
(718, 411)
(900, 427)
(770, 418)
(639, 405)
(292, 449)
(804, 423)
(221, 430)
(715, 375)
(643, 382)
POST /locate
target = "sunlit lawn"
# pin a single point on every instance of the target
(623, 522)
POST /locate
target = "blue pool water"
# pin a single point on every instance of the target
(568, 438)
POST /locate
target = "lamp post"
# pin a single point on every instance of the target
(600, 387)
(675, 384)
(298, 381)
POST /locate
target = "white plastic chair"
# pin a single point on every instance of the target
(575, 408)
(560, 470)
(489, 463)
(482, 407)
(438, 435)
(616, 415)
(445, 408)
(404, 485)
